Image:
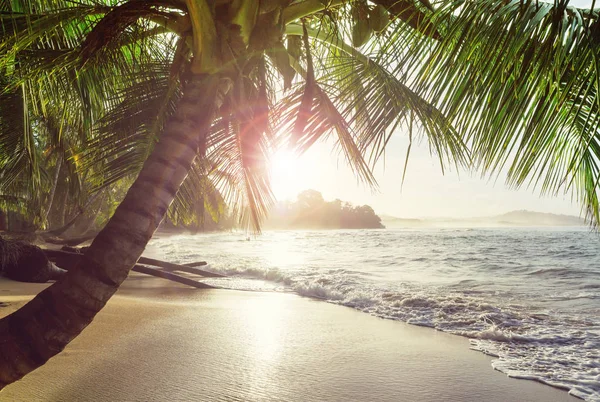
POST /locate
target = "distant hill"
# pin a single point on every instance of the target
(513, 218)
(530, 218)
(393, 222)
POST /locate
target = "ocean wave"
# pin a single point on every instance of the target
(553, 272)
(513, 337)
(527, 299)
(318, 291)
(273, 274)
(494, 334)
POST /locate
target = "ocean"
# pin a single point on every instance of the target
(530, 297)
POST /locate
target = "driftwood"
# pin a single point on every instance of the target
(189, 268)
(68, 259)
(195, 264)
(171, 276)
(177, 267)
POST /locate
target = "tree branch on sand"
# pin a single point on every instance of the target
(28, 263)
(68, 260)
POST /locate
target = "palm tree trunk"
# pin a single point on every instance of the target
(44, 326)
(3, 221)
(53, 189)
(63, 209)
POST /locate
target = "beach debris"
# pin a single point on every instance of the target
(25, 262)
(171, 276)
(195, 264)
(68, 257)
(179, 267)
(190, 268)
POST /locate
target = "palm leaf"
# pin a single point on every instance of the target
(520, 80)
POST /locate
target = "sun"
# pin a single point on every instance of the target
(285, 174)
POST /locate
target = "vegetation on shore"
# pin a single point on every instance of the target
(182, 102)
(308, 211)
(311, 211)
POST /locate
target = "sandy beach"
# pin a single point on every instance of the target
(159, 341)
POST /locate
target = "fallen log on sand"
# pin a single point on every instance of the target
(171, 276)
(67, 260)
(189, 268)
(177, 267)
(195, 264)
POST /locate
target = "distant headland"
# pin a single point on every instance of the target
(311, 211)
(521, 218)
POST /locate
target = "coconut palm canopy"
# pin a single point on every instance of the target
(114, 74)
(161, 88)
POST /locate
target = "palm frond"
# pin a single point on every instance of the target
(239, 147)
(520, 80)
(197, 194)
(125, 136)
(374, 102)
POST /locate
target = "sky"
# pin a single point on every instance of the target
(426, 192)
(580, 3)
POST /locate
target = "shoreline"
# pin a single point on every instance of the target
(157, 340)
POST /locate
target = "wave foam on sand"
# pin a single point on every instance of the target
(158, 341)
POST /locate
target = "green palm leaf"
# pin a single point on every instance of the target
(520, 81)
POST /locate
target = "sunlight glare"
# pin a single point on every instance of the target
(285, 172)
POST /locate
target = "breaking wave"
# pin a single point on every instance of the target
(528, 298)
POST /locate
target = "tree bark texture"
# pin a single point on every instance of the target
(3, 222)
(44, 326)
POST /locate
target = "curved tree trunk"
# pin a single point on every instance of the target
(53, 189)
(62, 213)
(44, 326)
(3, 223)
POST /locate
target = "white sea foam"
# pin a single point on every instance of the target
(526, 297)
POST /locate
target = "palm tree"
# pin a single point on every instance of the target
(520, 81)
(211, 86)
(40, 135)
(219, 69)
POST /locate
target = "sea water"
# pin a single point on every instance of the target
(528, 296)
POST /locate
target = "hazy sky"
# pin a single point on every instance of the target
(425, 193)
(581, 3)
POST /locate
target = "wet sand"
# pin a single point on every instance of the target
(159, 341)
